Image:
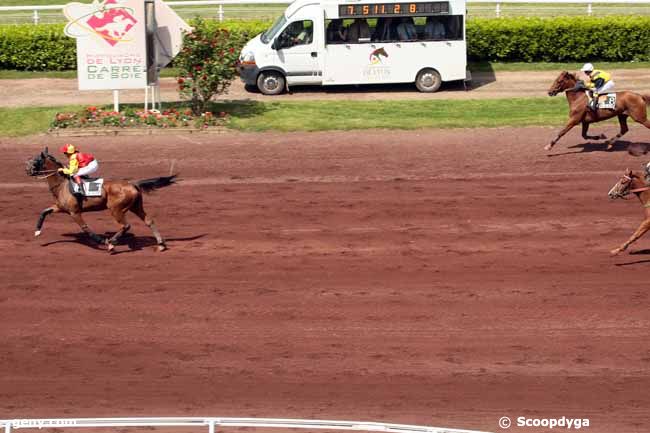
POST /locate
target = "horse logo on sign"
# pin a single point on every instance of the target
(109, 20)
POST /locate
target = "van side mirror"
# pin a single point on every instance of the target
(277, 44)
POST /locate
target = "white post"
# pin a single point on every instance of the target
(220, 13)
(116, 101)
(211, 426)
(8, 427)
(35, 17)
(498, 10)
(589, 10)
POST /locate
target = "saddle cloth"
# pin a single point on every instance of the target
(607, 101)
(89, 187)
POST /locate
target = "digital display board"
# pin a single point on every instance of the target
(393, 9)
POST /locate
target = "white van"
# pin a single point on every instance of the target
(332, 42)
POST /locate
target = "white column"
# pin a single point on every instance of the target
(35, 16)
(589, 9)
(220, 13)
(8, 427)
(116, 101)
(210, 426)
(498, 11)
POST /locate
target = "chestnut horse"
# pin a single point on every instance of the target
(627, 104)
(118, 197)
(633, 182)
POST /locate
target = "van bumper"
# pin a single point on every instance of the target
(248, 73)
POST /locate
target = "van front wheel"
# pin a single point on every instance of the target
(428, 81)
(270, 82)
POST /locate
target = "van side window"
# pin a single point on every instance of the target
(297, 33)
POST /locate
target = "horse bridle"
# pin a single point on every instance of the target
(628, 191)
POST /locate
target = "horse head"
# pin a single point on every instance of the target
(43, 163)
(566, 80)
(624, 184)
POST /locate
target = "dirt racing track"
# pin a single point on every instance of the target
(432, 277)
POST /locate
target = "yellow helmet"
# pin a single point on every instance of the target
(68, 149)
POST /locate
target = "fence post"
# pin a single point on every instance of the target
(211, 426)
(589, 10)
(35, 17)
(8, 427)
(498, 11)
(220, 13)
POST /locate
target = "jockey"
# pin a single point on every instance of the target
(80, 164)
(599, 82)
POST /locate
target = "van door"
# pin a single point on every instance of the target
(297, 52)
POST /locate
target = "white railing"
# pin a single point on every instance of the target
(212, 423)
(497, 5)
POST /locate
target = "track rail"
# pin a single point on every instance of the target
(212, 423)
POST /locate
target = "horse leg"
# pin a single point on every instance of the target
(138, 209)
(585, 129)
(120, 218)
(622, 121)
(566, 129)
(41, 218)
(643, 228)
(79, 220)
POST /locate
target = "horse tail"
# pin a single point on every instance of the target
(150, 185)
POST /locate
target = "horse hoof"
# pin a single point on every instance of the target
(616, 251)
(111, 247)
(548, 147)
(37, 233)
(161, 248)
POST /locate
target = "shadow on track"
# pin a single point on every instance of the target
(636, 149)
(638, 262)
(134, 243)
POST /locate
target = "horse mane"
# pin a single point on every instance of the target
(53, 159)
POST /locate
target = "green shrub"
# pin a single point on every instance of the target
(559, 39)
(566, 39)
(36, 48)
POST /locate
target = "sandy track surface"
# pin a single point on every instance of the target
(431, 277)
(55, 92)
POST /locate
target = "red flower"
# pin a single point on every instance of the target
(231, 50)
(198, 68)
(181, 81)
(91, 108)
(222, 114)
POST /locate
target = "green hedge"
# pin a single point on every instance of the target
(45, 47)
(559, 39)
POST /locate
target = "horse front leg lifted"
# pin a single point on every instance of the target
(92, 235)
(643, 228)
(41, 218)
(566, 129)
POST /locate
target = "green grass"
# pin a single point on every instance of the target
(339, 115)
(29, 120)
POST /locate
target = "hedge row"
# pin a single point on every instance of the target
(559, 39)
(45, 47)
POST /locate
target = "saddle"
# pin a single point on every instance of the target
(606, 102)
(90, 186)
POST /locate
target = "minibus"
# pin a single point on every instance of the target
(352, 42)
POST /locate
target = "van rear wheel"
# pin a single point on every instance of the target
(270, 82)
(428, 80)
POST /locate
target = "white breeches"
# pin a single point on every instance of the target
(89, 169)
(607, 87)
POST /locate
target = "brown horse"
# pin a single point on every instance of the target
(633, 182)
(118, 197)
(627, 104)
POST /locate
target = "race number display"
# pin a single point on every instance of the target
(393, 9)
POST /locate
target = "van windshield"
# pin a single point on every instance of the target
(271, 32)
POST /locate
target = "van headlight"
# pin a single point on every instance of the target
(247, 58)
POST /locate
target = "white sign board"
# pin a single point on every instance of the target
(111, 45)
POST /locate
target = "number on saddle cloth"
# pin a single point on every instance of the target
(607, 101)
(90, 187)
